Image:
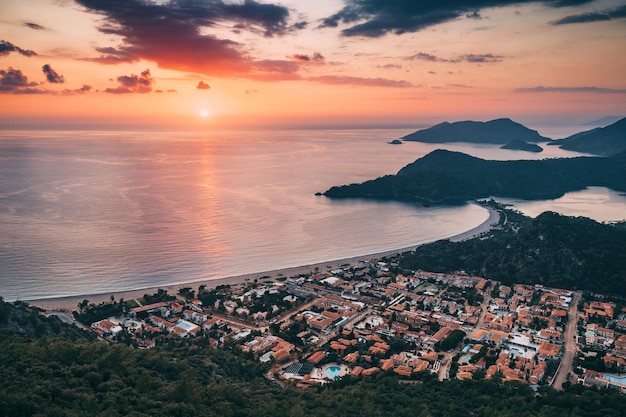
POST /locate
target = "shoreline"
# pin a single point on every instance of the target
(71, 302)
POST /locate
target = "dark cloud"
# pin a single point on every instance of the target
(480, 58)
(609, 14)
(114, 56)
(203, 86)
(472, 58)
(7, 47)
(52, 76)
(84, 89)
(34, 26)
(374, 18)
(363, 82)
(389, 66)
(422, 56)
(542, 89)
(133, 84)
(177, 34)
(13, 81)
(474, 15)
(300, 25)
(316, 57)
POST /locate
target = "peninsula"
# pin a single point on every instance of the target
(447, 177)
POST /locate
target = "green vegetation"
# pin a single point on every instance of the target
(454, 177)
(553, 250)
(451, 341)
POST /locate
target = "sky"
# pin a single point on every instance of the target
(204, 64)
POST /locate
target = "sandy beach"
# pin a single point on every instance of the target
(71, 302)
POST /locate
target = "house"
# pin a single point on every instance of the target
(106, 327)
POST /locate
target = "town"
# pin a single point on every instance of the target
(372, 317)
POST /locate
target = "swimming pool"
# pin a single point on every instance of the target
(615, 378)
(333, 371)
(184, 324)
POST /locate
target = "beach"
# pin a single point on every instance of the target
(71, 302)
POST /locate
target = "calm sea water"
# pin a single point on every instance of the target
(95, 212)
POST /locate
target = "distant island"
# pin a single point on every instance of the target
(499, 131)
(395, 142)
(520, 145)
(605, 121)
(605, 141)
(446, 177)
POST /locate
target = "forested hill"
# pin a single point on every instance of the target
(499, 131)
(553, 250)
(609, 140)
(445, 176)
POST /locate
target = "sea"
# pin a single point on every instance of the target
(89, 212)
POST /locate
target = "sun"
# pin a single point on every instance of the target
(204, 113)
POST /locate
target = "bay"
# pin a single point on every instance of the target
(96, 212)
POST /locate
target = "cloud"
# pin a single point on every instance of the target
(203, 86)
(114, 56)
(472, 58)
(129, 84)
(52, 76)
(608, 14)
(474, 15)
(7, 47)
(34, 26)
(426, 57)
(13, 81)
(316, 57)
(374, 18)
(480, 58)
(178, 34)
(363, 82)
(542, 89)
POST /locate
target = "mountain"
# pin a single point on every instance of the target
(499, 131)
(453, 177)
(605, 121)
(606, 141)
(520, 145)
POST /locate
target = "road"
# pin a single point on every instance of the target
(444, 370)
(570, 344)
(67, 317)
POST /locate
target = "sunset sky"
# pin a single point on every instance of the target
(245, 63)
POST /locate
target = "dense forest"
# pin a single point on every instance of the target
(453, 177)
(52, 369)
(551, 249)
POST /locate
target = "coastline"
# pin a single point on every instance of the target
(71, 302)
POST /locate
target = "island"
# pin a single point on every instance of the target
(499, 131)
(520, 145)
